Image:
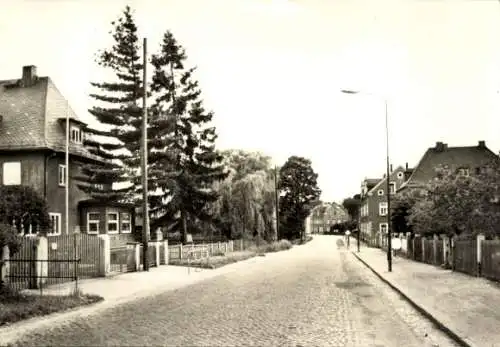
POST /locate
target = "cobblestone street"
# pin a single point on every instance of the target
(313, 295)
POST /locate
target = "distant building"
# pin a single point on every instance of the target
(325, 215)
(373, 207)
(465, 160)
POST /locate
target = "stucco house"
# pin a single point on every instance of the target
(32, 152)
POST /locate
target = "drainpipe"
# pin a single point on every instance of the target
(47, 158)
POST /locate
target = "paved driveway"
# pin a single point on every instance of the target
(313, 295)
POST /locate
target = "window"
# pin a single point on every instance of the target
(99, 186)
(93, 222)
(400, 175)
(125, 221)
(382, 209)
(383, 228)
(76, 134)
(392, 187)
(463, 172)
(62, 175)
(113, 223)
(380, 192)
(12, 173)
(55, 224)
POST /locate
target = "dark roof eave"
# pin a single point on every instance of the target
(72, 119)
(101, 203)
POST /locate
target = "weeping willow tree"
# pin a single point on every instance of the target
(246, 206)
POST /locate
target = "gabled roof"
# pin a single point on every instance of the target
(384, 180)
(454, 157)
(31, 116)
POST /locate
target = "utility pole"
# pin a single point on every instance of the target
(276, 202)
(144, 162)
(66, 174)
(389, 236)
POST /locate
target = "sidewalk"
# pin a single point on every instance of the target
(467, 307)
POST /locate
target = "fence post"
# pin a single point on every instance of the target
(4, 264)
(241, 244)
(480, 239)
(446, 250)
(104, 266)
(157, 253)
(434, 248)
(180, 250)
(42, 265)
(137, 256)
(423, 239)
(225, 247)
(165, 253)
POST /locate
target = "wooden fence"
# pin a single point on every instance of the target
(465, 257)
(490, 259)
(65, 258)
(22, 267)
(85, 247)
(428, 251)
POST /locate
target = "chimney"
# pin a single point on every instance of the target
(390, 168)
(29, 75)
(406, 166)
(481, 144)
(441, 146)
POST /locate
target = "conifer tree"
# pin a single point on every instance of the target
(118, 110)
(184, 163)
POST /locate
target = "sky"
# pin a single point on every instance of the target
(272, 71)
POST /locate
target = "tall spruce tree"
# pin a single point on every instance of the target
(118, 110)
(183, 160)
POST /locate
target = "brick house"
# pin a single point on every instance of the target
(32, 152)
(373, 208)
(465, 160)
(325, 215)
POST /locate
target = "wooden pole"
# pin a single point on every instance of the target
(144, 162)
(66, 175)
(276, 202)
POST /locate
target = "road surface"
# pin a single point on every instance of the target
(312, 295)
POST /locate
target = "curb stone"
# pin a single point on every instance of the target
(461, 341)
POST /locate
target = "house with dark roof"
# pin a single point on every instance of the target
(465, 160)
(374, 208)
(33, 117)
(323, 216)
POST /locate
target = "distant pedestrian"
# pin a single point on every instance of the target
(347, 234)
(340, 243)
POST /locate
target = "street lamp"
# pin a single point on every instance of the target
(389, 241)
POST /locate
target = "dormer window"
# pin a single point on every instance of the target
(463, 172)
(75, 134)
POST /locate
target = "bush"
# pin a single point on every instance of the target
(214, 262)
(281, 245)
(8, 237)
